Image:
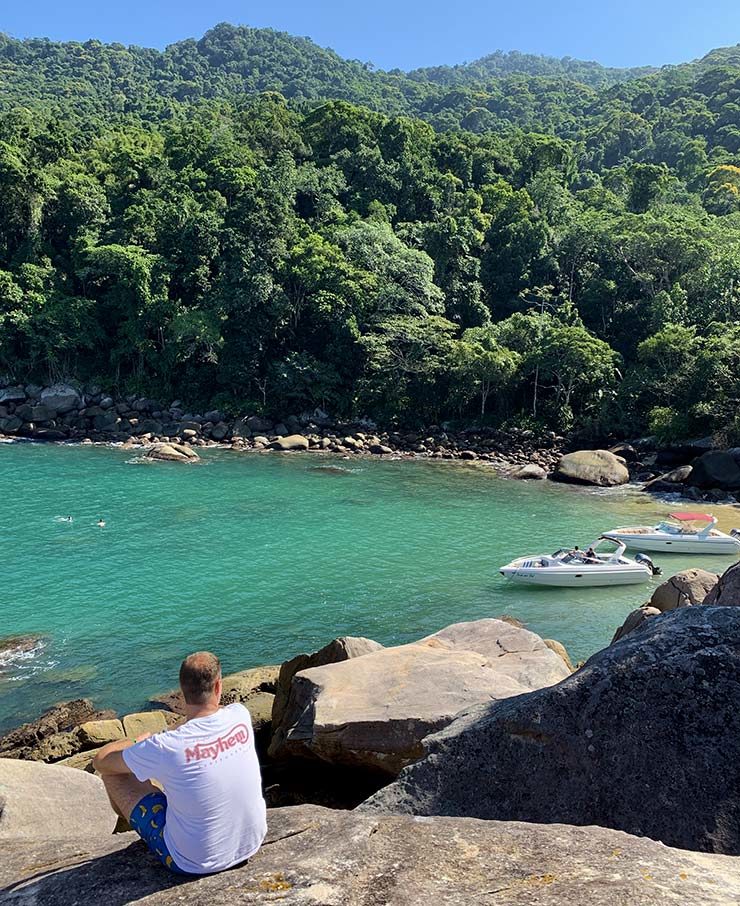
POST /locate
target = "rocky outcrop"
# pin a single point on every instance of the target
(598, 467)
(561, 652)
(319, 857)
(625, 451)
(53, 735)
(12, 395)
(13, 647)
(341, 649)
(670, 482)
(172, 453)
(687, 588)
(144, 722)
(716, 469)
(292, 442)
(529, 472)
(61, 398)
(644, 738)
(373, 711)
(96, 733)
(634, 619)
(81, 761)
(43, 414)
(726, 593)
(51, 802)
(66, 732)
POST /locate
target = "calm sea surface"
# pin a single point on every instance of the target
(259, 557)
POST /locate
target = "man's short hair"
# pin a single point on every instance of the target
(198, 675)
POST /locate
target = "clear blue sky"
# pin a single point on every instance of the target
(408, 33)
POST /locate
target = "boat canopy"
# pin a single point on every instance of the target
(692, 517)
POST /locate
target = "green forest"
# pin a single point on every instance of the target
(250, 221)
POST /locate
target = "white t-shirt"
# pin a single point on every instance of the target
(208, 768)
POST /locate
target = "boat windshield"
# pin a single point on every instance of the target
(686, 527)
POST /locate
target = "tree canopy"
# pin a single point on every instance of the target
(248, 219)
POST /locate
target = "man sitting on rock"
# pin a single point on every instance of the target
(211, 814)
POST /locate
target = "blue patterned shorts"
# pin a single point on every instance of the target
(148, 820)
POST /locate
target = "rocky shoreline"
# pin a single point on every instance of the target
(69, 413)
(297, 769)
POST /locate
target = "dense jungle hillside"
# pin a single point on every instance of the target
(230, 60)
(250, 220)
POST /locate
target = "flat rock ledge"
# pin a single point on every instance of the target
(319, 857)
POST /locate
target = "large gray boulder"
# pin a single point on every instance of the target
(145, 425)
(685, 589)
(716, 469)
(38, 800)
(37, 414)
(219, 431)
(599, 467)
(373, 711)
(726, 592)
(61, 398)
(320, 857)
(12, 395)
(644, 738)
(11, 424)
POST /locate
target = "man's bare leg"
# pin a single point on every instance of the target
(125, 791)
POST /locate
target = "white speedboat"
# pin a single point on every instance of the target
(680, 533)
(574, 568)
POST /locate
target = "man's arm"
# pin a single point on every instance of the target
(109, 759)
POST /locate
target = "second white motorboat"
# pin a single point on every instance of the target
(680, 533)
(574, 568)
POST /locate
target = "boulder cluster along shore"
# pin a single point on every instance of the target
(696, 470)
(476, 765)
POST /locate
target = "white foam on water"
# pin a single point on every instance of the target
(16, 664)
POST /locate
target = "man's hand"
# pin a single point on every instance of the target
(142, 736)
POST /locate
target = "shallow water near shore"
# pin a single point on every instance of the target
(259, 557)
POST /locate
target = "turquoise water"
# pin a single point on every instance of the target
(259, 557)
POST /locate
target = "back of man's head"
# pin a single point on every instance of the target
(199, 673)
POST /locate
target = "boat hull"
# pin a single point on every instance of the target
(563, 577)
(689, 544)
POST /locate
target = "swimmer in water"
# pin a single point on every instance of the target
(101, 522)
(66, 518)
